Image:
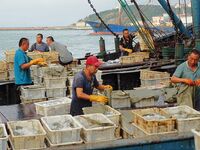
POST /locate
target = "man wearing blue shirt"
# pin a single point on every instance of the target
(188, 74)
(22, 64)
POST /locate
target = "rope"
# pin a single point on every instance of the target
(97, 14)
(135, 22)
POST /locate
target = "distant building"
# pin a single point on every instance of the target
(182, 5)
(81, 24)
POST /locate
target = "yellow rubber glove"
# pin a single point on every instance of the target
(109, 87)
(98, 98)
(128, 50)
(42, 64)
(36, 61)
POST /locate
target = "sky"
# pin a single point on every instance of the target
(29, 13)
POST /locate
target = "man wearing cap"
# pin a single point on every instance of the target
(83, 84)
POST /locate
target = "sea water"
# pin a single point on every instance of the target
(79, 42)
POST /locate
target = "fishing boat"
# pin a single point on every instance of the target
(100, 29)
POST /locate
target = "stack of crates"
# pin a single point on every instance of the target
(51, 57)
(3, 71)
(10, 54)
(154, 78)
(32, 94)
(54, 78)
(134, 58)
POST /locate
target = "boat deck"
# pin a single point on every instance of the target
(172, 141)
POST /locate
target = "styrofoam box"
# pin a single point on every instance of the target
(54, 107)
(185, 124)
(33, 92)
(64, 135)
(55, 82)
(56, 92)
(3, 137)
(32, 134)
(96, 134)
(196, 139)
(108, 111)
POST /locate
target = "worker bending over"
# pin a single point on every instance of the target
(83, 84)
(126, 43)
(22, 64)
(188, 75)
(65, 57)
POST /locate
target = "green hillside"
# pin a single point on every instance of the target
(110, 16)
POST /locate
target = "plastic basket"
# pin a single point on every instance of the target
(54, 107)
(33, 92)
(26, 134)
(58, 131)
(91, 133)
(56, 92)
(3, 137)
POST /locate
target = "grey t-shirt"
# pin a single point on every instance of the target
(43, 47)
(65, 55)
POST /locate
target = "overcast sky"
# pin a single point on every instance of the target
(15, 13)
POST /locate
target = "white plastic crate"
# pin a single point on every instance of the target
(52, 70)
(11, 75)
(38, 80)
(128, 126)
(55, 107)
(3, 137)
(33, 92)
(196, 139)
(3, 65)
(120, 99)
(187, 118)
(30, 101)
(10, 65)
(56, 92)
(153, 82)
(34, 55)
(3, 75)
(27, 134)
(108, 111)
(34, 70)
(62, 130)
(148, 74)
(145, 102)
(55, 82)
(10, 54)
(70, 79)
(94, 130)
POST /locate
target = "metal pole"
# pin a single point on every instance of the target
(117, 44)
(102, 46)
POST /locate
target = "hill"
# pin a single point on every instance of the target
(110, 16)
